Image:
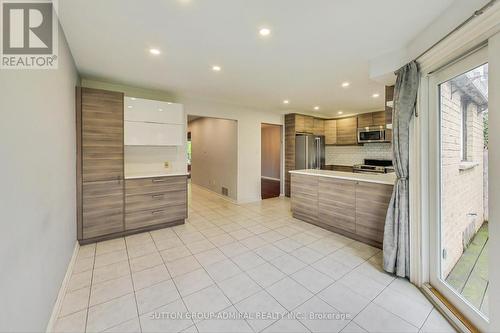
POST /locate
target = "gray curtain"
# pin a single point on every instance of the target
(396, 233)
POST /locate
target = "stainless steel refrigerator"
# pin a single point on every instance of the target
(309, 151)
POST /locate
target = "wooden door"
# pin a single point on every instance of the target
(347, 131)
(336, 203)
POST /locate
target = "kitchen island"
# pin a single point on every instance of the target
(352, 204)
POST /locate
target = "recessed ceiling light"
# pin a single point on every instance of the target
(160, 109)
(340, 112)
(216, 68)
(286, 101)
(316, 108)
(133, 98)
(169, 103)
(130, 106)
(264, 32)
(376, 95)
(345, 84)
(154, 51)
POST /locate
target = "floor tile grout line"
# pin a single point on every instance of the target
(176, 287)
(90, 290)
(133, 285)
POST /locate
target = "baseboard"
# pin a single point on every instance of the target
(62, 290)
(216, 193)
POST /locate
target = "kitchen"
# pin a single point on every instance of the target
(339, 172)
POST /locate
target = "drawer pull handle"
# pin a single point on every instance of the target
(157, 196)
(158, 180)
(157, 212)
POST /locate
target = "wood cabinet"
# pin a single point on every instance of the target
(371, 119)
(107, 205)
(151, 201)
(353, 208)
(304, 197)
(347, 131)
(318, 126)
(336, 203)
(330, 132)
(99, 163)
(303, 123)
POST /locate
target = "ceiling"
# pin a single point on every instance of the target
(314, 47)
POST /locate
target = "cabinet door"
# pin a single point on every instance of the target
(365, 120)
(378, 118)
(308, 124)
(318, 126)
(330, 132)
(153, 134)
(347, 131)
(300, 123)
(336, 203)
(372, 201)
(102, 206)
(102, 135)
(304, 195)
(146, 110)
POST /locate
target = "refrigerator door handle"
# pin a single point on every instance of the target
(318, 153)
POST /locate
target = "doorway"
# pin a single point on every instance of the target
(458, 184)
(270, 160)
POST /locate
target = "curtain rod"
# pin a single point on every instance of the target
(477, 13)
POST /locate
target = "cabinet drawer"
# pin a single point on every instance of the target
(102, 208)
(148, 218)
(157, 185)
(136, 203)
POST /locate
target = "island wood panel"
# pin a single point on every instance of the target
(289, 149)
(337, 203)
(347, 131)
(101, 135)
(330, 132)
(304, 195)
(102, 206)
(372, 201)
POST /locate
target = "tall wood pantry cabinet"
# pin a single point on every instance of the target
(100, 163)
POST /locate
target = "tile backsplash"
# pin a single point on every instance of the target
(350, 155)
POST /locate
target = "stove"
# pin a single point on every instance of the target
(374, 166)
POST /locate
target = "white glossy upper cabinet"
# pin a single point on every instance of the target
(146, 110)
(153, 123)
(139, 133)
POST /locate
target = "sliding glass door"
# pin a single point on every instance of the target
(458, 171)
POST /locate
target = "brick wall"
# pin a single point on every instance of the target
(462, 189)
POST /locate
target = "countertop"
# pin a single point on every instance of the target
(384, 178)
(153, 175)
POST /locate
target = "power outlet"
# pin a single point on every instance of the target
(166, 164)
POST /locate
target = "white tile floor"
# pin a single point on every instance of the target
(240, 268)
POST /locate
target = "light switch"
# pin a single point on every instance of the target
(167, 164)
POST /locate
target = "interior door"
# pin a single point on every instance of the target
(458, 184)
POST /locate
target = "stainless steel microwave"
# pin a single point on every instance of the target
(371, 134)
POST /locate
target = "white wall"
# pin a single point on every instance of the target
(37, 191)
(214, 154)
(494, 180)
(249, 131)
(350, 155)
